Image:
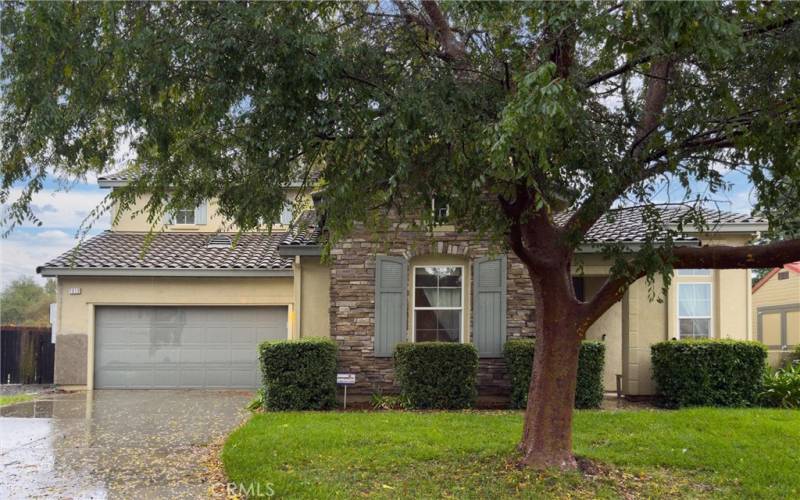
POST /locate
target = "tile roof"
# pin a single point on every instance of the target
(306, 232)
(174, 251)
(626, 225)
(258, 251)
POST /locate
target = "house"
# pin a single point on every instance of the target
(189, 309)
(776, 311)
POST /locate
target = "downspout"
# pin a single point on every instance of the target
(298, 294)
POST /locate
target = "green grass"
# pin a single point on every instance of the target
(686, 453)
(14, 398)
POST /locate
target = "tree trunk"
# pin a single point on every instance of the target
(547, 436)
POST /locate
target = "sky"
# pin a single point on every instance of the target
(63, 210)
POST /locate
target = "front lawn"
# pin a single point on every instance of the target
(14, 398)
(690, 453)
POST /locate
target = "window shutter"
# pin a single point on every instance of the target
(168, 219)
(489, 306)
(391, 303)
(201, 213)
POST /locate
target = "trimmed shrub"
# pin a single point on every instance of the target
(299, 374)
(439, 375)
(518, 354)
(782, 387)
(708, 372)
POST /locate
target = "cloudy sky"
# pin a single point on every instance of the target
(63, 210)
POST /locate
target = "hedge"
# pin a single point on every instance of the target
(299, 374)
(708, 372)
(518, 354)
(439, 375)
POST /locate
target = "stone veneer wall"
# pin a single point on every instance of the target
(352, 294)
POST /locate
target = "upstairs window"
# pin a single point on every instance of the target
(438, 303)
(441, 210)
(783, 275)
(183, 216)
(694, 310)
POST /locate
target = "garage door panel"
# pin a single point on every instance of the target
(244, 378)
(191, 347)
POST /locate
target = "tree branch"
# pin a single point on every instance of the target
(654, 100)
(708, 257)
(619, 70)
(774, 254)
(609, 294)
(452, 47)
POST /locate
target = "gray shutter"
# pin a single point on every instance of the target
(391, 303)
(167, 218)
(489, 306)
(201, 213)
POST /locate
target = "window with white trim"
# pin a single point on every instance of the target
(694, 310)
(694, 272)
(183, 216)
(438, 303)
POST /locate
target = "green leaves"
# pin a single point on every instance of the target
(237, 101)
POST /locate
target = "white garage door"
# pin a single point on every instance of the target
(182, 347)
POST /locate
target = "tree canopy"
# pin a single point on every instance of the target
(395, 102)
(25, 302)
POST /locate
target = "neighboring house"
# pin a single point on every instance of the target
(189, 309)
(776, 310)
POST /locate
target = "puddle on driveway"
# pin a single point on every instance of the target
(114, 444)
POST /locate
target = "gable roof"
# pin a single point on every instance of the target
(189, 254)
(626, 225)
(792, 266)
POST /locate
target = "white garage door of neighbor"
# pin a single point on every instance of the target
(182, 347)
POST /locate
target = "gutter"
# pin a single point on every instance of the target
(109, 183)
(189, 273)
(737, 227)
(301, 250)
(632, 246)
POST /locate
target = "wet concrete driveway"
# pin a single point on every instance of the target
(114, 444)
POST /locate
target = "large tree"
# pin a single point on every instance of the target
(512, 112)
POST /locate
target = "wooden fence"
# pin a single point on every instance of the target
(26, 355)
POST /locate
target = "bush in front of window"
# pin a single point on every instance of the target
(518, 354)
(299, 374)
(438, 375)
(708, 372)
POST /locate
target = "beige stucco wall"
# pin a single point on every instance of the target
(609, 329)
(637, 322)
(75, 332)
(133, 220)
(315, 299)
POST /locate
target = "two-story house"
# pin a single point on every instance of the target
(189, 308)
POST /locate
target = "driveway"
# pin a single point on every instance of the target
(114, 444)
